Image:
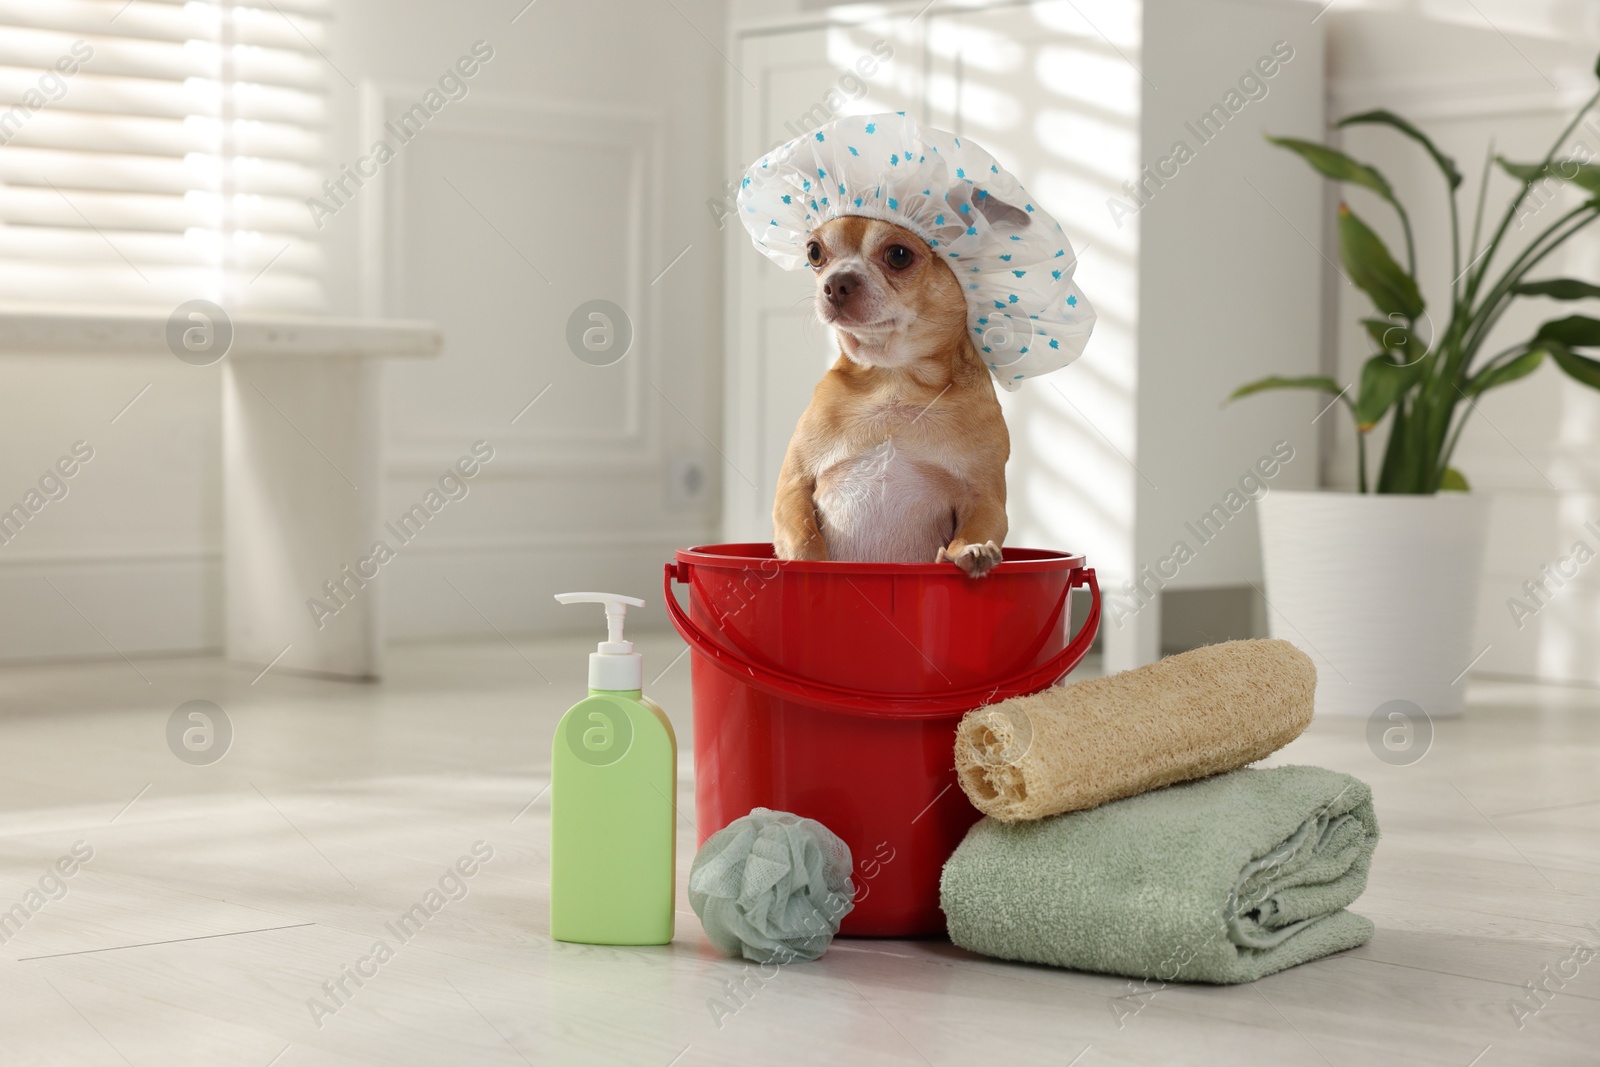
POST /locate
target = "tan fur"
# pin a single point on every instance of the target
(901, 455)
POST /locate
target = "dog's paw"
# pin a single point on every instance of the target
(976, 560)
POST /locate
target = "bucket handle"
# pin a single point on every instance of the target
(785, 686)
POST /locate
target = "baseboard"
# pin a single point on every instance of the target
(74, 607)
(165, 604)
(482, 590)
(1555, 643)
(1191, 618)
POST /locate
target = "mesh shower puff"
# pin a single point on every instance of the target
(772, 887)
(1026, 314)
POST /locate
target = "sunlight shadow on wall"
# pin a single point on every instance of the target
(1057, 104)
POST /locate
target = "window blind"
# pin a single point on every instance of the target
(159, 151)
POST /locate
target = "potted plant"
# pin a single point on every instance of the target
(1380, 586)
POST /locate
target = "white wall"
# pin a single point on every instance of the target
(1228, 285)
(590, 143)
(576, 496)
(130, 558)
(1513, 71)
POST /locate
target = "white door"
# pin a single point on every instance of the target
(777, 350)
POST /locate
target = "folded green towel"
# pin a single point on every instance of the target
(1220, 880)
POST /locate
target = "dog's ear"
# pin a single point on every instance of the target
(1000, 213)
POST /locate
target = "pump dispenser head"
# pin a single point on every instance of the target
(614, 665)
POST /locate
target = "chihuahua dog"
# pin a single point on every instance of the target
(901, 455)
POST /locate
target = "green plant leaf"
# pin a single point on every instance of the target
(1583, 175)
(1560, 336)
(1454, 481)
(1374, 270)
(1523, 172)
(1383, 381)
(1389, 118)
(1382, 333)
(1520, 367)
(1581, 368)
(1392, 472)
(1332, 163)
(1315, 381)
(1396, 337)
(1572, 331)
(1558, 289)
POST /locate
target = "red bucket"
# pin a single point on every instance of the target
(832, 690)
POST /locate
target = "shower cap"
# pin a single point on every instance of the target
(772, 887)
(1026, 314)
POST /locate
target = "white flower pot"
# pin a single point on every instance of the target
(1380, 590)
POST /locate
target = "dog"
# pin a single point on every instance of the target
(901, 455)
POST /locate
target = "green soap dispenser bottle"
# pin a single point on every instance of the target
(613, 780)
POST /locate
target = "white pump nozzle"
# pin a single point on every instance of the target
(614, 665)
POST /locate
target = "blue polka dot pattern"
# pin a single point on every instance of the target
(886, 167)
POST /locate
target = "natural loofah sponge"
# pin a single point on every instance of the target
(772, 887)
(1198, 713)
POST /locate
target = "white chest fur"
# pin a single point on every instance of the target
(888, 499)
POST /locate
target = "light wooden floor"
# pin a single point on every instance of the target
(220, 900)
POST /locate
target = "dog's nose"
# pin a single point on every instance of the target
(838, 287)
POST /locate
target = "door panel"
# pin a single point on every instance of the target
(777, 350)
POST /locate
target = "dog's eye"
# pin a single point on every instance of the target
(814, 254)
(898, 256)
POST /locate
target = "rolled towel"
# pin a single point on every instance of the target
(1222, 880)
(1071, 747)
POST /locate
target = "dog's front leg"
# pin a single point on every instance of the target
(796, 533)
(980, 531)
